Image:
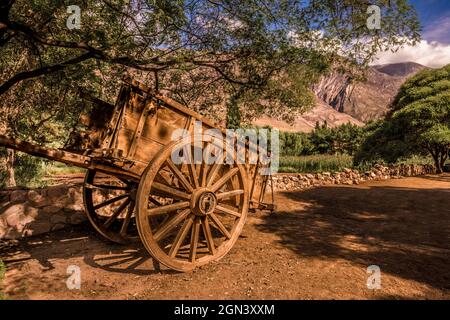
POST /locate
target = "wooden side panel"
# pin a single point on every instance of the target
(161, 127)
(159, 124)
(157, 132)
(131, 112)
(143, 123)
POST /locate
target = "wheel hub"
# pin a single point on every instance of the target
(203, 202)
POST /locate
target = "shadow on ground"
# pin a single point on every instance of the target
(81, 241)
(405, 231)
(327, 237)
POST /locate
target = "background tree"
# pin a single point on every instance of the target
(295, 144)
(419, 123)
(344, 139)
(321, 138)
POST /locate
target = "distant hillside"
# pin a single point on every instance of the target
(306, 122)
(405, 69)
(340, 100)
(368, 100)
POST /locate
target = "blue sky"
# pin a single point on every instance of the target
(434, 48)
(435, 18)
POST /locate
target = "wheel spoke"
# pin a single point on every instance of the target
(168, 208)
(116, 213)
(169, 225)
(171, 191)
(193, 173)
(181, 236)
(214, 170)
(212, 174)
(105, 186)
(208, 237)
(227, 210)
(203, 174)
(126, 222)
(194, 239)
(191, 166)
(220, 225)
(229, 194)
(127, 182)
(179, 175)
(216, 186)
(112, 200)
(161, 178)
(137, 263)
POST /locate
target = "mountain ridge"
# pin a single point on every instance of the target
(340, 100)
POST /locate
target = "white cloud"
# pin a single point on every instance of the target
(431, 54)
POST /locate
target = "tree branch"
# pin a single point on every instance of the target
(41, 71)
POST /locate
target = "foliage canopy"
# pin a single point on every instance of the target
(262, 53)
(418, 124)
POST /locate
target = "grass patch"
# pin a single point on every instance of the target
(333, 163)
(57, 168)
(315, 163)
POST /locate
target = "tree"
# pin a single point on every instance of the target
(346, 138)
(321, 139)
(10, 168)
(243, 46)
(419, 123)
(295, 143)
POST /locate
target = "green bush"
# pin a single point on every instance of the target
(28, 170)
(344, 139)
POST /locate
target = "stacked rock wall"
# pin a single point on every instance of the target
(298, 181)
(26, 212)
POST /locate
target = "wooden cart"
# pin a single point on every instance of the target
(186, 214)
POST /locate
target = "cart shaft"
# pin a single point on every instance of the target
(44, 152)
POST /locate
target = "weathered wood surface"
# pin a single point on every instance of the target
(44, 152)
(70, 158)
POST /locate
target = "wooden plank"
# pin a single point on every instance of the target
(44, 152)
(172, 103)
(140, 125)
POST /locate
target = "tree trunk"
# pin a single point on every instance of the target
(444, 156)
(10, 168)
(233, 113)
(437, 163)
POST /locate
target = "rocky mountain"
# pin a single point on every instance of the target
(365, 100)
(340, 100)
(307, 121)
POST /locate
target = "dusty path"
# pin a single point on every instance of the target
(317, 246)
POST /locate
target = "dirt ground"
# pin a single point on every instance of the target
(318, 245)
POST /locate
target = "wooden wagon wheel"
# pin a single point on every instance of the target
(109, 204)
(208, 202)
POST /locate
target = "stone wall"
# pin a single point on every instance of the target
(26, 212)
(291, 181)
